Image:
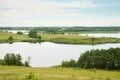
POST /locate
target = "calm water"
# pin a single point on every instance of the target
(48, 54)
(15, 31)
(113, 35)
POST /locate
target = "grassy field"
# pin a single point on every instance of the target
(58, 38)
(76, 39)
(56, 73)
(16, 38)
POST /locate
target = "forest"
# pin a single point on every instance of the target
(74, 29)
(100, 59)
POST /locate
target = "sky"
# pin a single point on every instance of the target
(59, 12)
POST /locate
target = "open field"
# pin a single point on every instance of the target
(56, 73)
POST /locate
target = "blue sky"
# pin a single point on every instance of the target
(59, 12)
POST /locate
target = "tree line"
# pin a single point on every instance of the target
(100, 59)
(58, 29)
(13, 59)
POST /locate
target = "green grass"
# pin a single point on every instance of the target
(16, 38)
(76, 39)
(58, 38)
(56, 73)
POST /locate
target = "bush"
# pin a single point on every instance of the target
(2, 62)
(31, 76)
(71, 63)
(12, 59)
(26, 64)
(10, 39)
(20, 33)
(32, 34)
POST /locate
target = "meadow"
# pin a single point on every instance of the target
(57, 38)
(56, 73)
(16, 38)
(76, 39)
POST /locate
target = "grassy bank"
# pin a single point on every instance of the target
(57, 38)
(16, 38)
(56, 73)
(76, 39)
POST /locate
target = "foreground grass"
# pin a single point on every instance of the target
(56, 73)
(58, 38)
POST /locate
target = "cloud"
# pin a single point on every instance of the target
(31, 8)
(46, 12)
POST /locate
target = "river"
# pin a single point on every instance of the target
(47, 54)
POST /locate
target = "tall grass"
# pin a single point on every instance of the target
(57, 38)
(58, 73)
(16, 38)
(76, 39)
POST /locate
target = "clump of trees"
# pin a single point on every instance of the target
(13, 59)
(100, 59)
(19, 33)
(33, 34)
(71, 63)
(10, 39)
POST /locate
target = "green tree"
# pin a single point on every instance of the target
(101, 59)
(12, 59)
(27, 62)
(10, 39)
(32, 34)
(71, 63)
(18, 60)
(2, 62)
(7, 59)
(39, 37)
(20, 33)
(65, 64)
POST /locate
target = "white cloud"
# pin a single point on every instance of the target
(31, 8)
(41, 12)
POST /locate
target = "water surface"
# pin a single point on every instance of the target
(48, 54)
(113, 35)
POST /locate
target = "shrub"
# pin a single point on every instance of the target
(20, 33)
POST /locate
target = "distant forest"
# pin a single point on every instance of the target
(66, 29)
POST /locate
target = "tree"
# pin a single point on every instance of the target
(10, 39)
(6, 59)
(27, 62)
(20, 33)
(39, 37)
(32, 34)
(65, 63)
(12, 59)
(101, 59)
(2, 62)
(71, 63)
(18, 60)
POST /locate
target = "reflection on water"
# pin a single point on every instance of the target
(48, 54)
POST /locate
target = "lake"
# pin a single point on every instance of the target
(47, 54)
(113, 35)
(15, 31)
